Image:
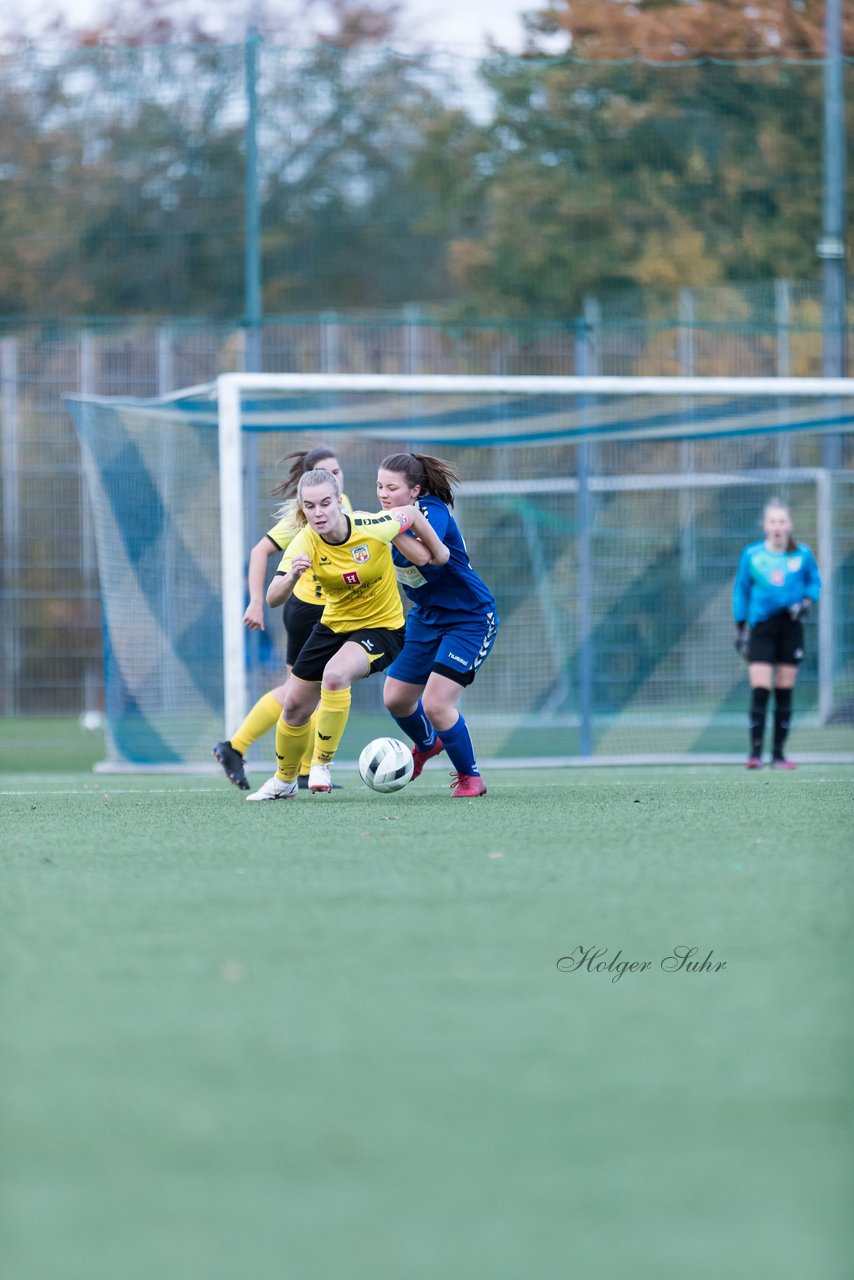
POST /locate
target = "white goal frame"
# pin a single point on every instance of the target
(232, 387)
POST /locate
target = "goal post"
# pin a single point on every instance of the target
(613, 581)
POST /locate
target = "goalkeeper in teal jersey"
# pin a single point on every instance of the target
(776, 584)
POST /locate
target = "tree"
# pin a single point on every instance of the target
(601, 174)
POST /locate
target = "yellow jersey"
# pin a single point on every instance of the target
(307, 588)
(357, 575)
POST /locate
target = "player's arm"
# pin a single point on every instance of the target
(415, 551)
(438, 553)
(812, 578)
(293, 565)
(741, 591)
(253, 618)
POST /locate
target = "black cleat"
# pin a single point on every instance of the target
(232, 763)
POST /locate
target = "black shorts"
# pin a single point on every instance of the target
(299, 617)
(381, 645)
(777, 639)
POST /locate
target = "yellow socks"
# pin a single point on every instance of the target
(331, 719)
(305, 763)
(262, 717)
(290, 745)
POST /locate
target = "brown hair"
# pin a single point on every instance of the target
(434, 475)
(301, 461)
(791, 545)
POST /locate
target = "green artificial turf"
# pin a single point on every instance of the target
(329, 1038)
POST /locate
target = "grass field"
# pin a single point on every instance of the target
(329, 1038)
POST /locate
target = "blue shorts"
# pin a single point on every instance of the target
(456, 652)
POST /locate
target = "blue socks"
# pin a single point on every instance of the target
(458, 744)
(418, 727)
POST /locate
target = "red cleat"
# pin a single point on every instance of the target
(466, 786)
(421, 757)
(780, 763)
(754, 763)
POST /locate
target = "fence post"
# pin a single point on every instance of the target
(165, 360)
(9, 462)
(826, 613)
(783, 320)
(88, 384)
(687, 505)
(330, 359)
(412, 330)
(253, 357)
(584, 364)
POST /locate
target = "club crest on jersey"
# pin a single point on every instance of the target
(794, 563)
(352, 578)
(361, 554)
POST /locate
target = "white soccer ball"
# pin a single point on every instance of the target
(386, 764)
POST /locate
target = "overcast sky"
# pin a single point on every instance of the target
(452, 24)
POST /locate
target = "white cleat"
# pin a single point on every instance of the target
(275, 789)
(319, 778)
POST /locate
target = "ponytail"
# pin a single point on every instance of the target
(301, 461)
(434, 476)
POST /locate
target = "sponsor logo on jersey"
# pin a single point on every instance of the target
(794, 563)
(324, 559)
(352, 578)
(361, 554)
(778, 578)
(401, 519)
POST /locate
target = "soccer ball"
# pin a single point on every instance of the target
(386, 764)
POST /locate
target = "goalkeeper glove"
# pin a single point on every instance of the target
(800, 610)
(742, 639)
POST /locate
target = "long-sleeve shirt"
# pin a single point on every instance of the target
(768, 582)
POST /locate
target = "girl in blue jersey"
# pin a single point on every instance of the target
(776, 583)
(450, 629)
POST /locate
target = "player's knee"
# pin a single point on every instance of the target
(396, 703)
(335, 679)
(439, 709)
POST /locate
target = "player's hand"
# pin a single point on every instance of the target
(742, 639)
(253, 618)
(800, 610)
(299, 564)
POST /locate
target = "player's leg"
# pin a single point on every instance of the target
(761, 654)
(790, 653)
(299, 617)
(458, 660)
(404, 685)
(259, 721)
(292, 730)
(784, 685)
(349, 664)
(361, 653)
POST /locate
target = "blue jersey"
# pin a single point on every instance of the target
(768, 582)
(449, 594)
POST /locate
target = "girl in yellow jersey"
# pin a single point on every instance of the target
(302, 610)
(360, 630)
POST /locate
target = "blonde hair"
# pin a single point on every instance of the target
(318, 476)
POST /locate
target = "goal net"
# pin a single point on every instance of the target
(607, 515)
